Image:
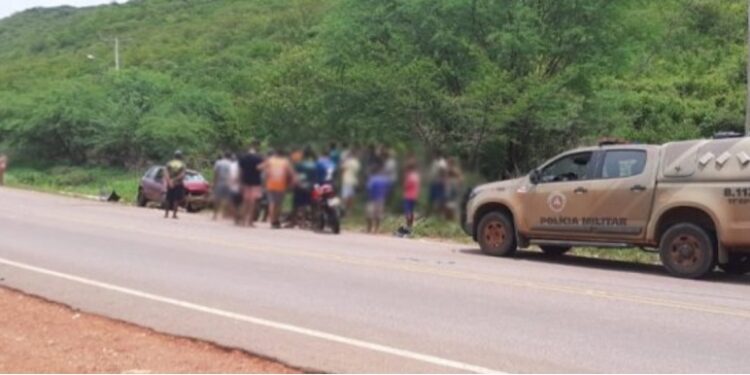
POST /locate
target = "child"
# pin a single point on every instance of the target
(412, 185)
(377, 192)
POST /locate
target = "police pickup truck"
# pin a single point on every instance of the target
(688, 200)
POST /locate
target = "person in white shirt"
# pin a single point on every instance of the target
(222, 194)
(350, 170)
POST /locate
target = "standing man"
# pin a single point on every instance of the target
(438, 181)
(279, 176)
(412, 186)
(350, 170)
(175, 189)
(221, 185)
(306, 171)
(3, 167)
(377, 191)
(251, 183)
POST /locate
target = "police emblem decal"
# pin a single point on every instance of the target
(556, 202)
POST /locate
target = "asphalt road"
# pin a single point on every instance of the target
(359, 303)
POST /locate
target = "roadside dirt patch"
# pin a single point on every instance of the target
(38, 336)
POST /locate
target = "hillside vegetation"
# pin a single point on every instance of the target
(502, 83)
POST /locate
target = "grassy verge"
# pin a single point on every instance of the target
(626, 255)
(77, 180)
(434, 228)
(96, 181)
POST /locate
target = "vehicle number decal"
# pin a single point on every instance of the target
(737, 195)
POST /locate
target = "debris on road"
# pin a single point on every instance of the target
(38, 336)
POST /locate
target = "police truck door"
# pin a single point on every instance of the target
(622, 192)
(559, 200)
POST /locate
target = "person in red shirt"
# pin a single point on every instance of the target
(412, 186)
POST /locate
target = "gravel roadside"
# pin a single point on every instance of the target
(37, 336)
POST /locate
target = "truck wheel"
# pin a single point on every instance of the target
(496, 235)
(141, 199)
(739, 264)
(687, 251)
(553, 250)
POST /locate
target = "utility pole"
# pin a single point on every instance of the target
(747, 73)
(116, 40)
(117, 51)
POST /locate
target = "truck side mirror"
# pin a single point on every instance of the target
(535, 176)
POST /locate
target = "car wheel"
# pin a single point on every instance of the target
(739, 264)
(496, 235)
(553, 250)
(141, 199)
(687, 251)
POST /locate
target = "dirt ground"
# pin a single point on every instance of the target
(41, 337)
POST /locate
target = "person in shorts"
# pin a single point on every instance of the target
(251, 187)
(412, 186)
(279, 176)
(306, 172)
(175, 176)
(350, 169)
(222, 193)
(377, 192)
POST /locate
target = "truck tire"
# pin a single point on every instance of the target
(687, 251)
(497, 235)
(553, 250)
(739, 264)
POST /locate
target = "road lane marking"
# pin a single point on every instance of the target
(426, 358)
(492, 279)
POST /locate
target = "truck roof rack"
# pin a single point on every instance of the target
(727, 134)
(612, 141)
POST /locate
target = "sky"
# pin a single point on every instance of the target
(8, 7)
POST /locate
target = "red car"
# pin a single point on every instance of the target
(153, 188)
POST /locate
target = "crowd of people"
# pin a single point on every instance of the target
(253, 185)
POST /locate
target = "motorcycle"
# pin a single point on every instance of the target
(326, 208)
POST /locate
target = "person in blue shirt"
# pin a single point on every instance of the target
(335, 154)
(326, 169)
(378, 185)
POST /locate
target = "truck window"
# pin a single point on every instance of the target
(623, 163)
(569, 168)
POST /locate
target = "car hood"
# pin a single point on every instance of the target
(506, 185)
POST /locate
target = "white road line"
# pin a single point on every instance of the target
(261, 322)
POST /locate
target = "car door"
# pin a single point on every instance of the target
(154, 184)
(621, 195)
(559, 200)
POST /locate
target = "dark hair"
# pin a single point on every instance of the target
(309, 153)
